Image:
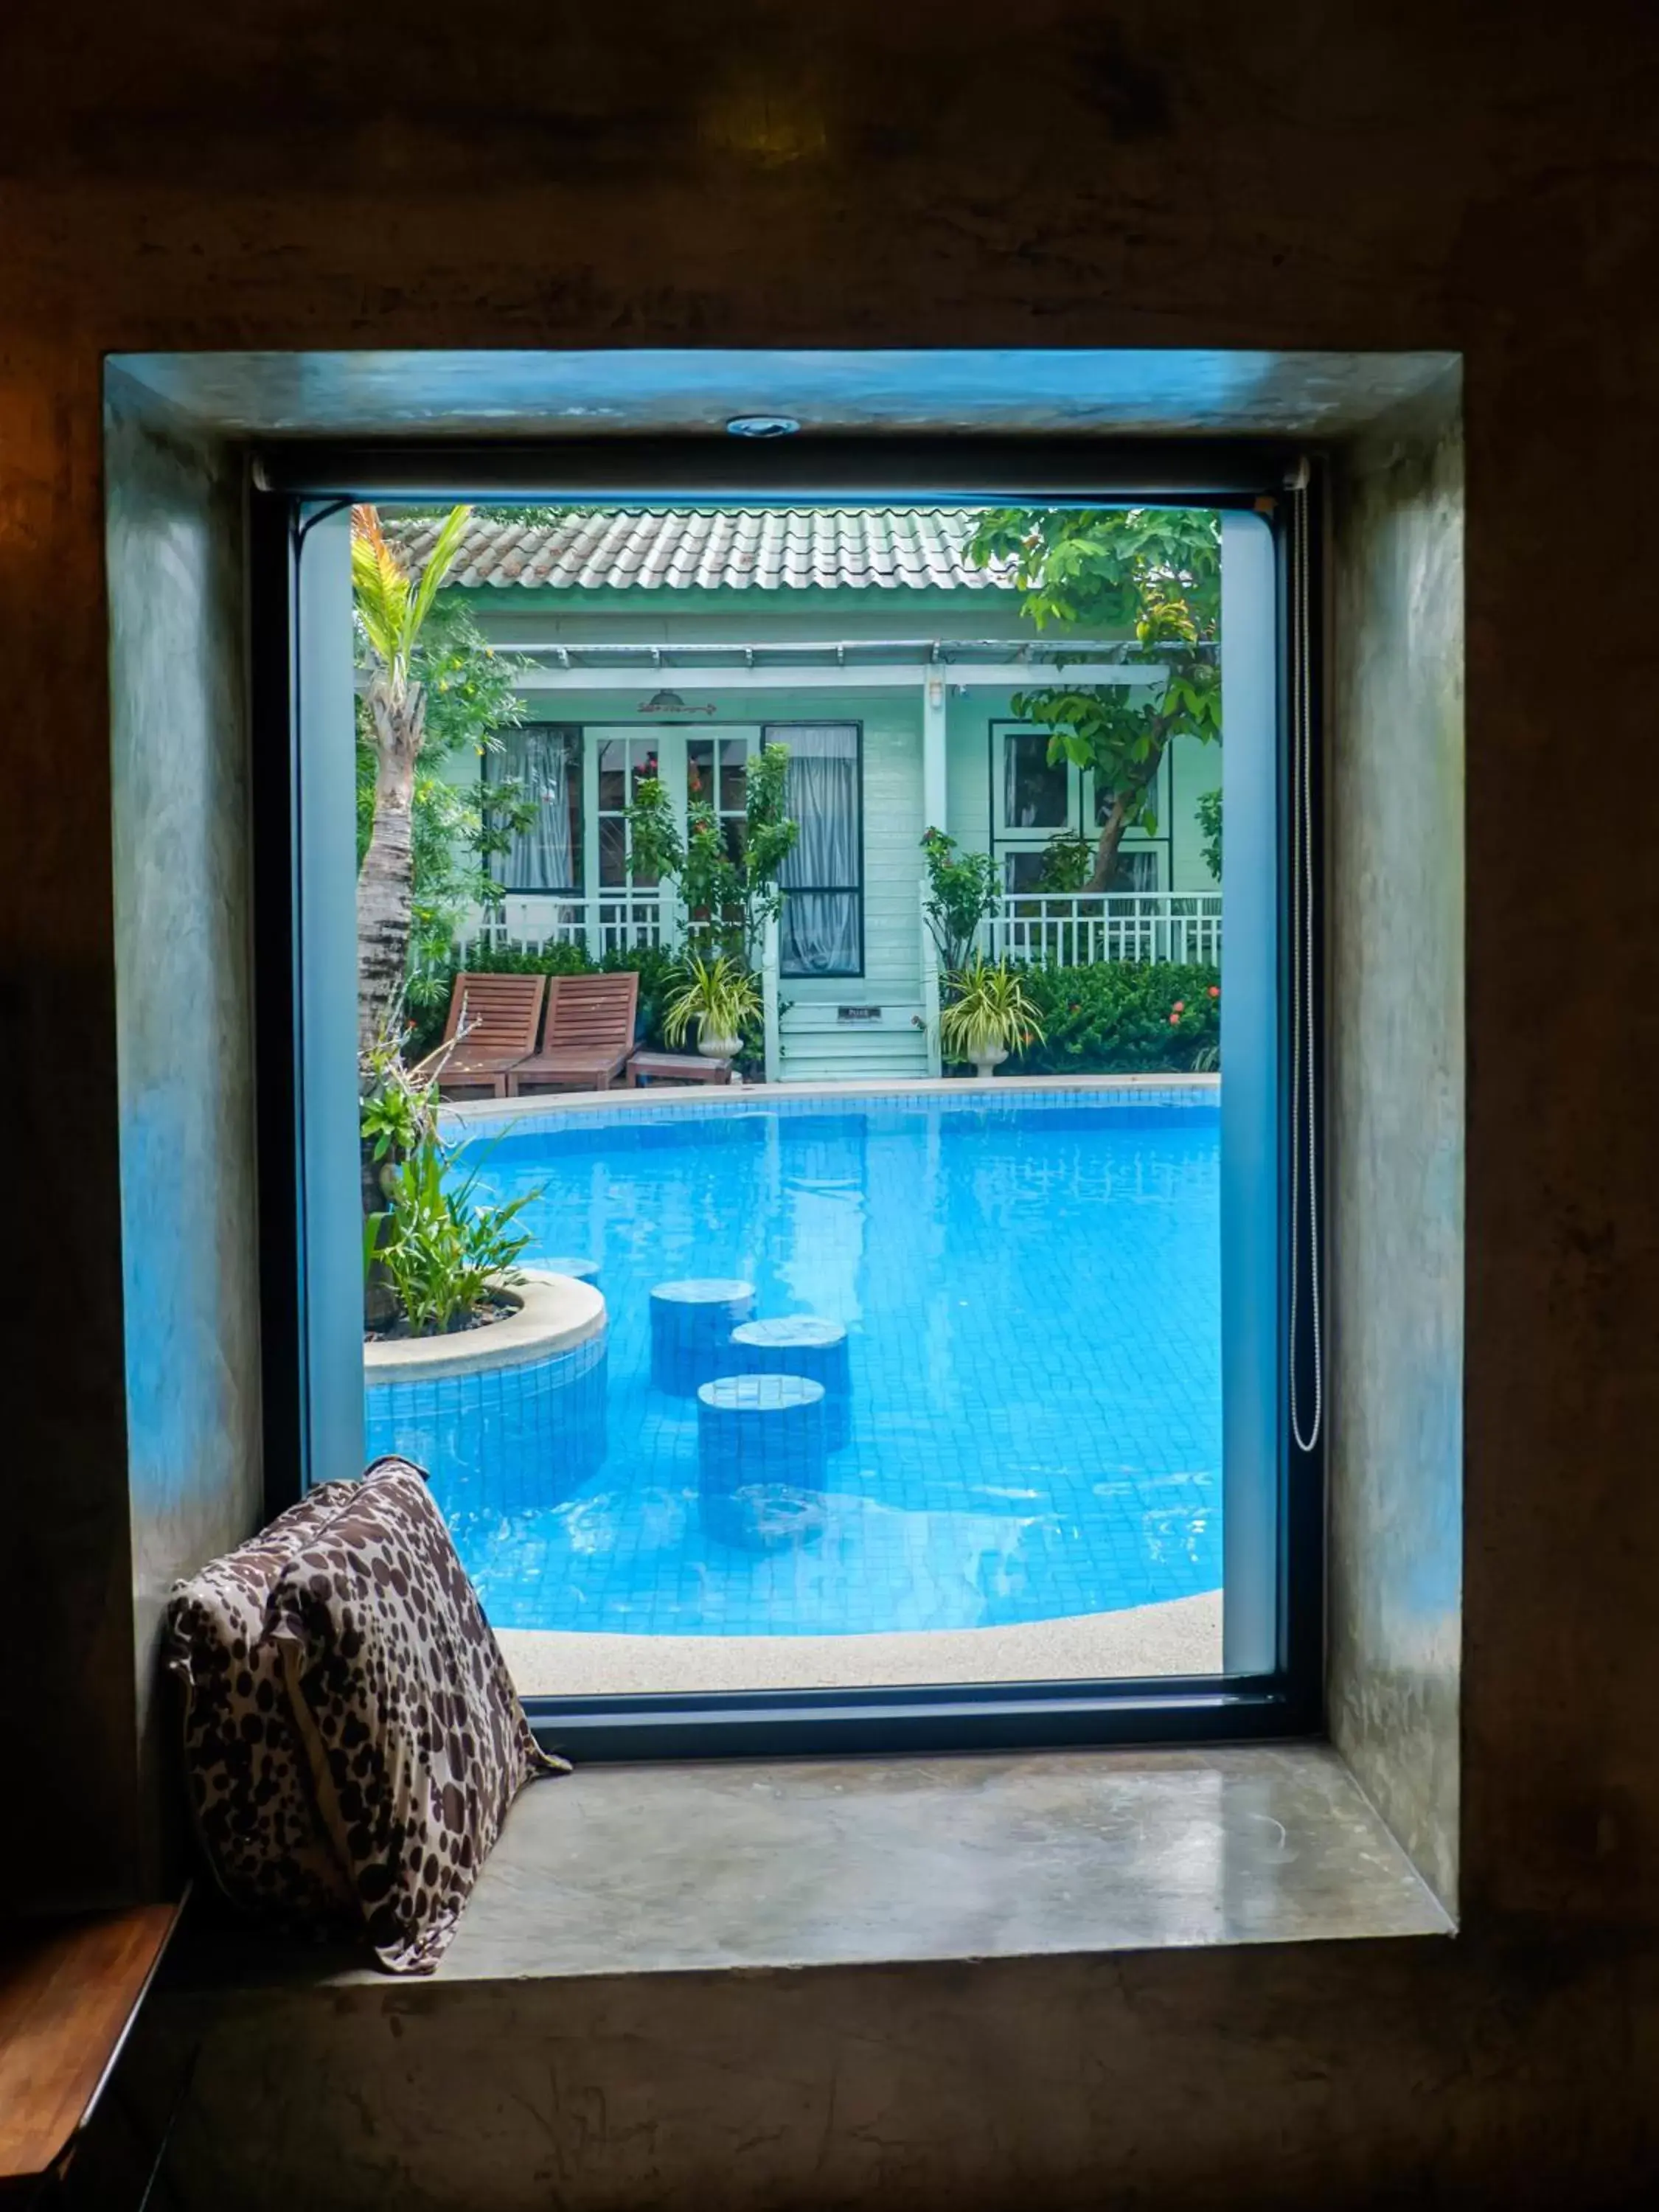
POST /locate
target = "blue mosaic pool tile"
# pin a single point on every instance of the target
(1030, 1286)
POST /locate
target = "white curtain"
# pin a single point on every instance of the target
(544, 761)
(820, 932)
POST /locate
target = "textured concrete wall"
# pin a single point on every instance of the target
(184, 1025)
(1263, 2080)
(1459, 174)
(1396, 1112)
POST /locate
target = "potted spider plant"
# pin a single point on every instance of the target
(989, 1015)
(719, 996)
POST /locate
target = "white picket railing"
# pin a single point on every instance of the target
(1070, 929)
(614, 922)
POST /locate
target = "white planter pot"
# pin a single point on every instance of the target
(718, 1047)
(987, 1063)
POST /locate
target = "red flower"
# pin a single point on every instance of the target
(1215, 990)
(1175, 1021)
(1181, 1006)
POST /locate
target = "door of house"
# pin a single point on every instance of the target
(691, 762)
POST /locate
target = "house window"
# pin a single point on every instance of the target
(1136, 870)
(822, 924)
(545, 760)
(1153, 800)
(716, 771)
(624, 764)
(1036, 792)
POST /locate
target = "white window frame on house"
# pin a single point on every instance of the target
(1009, 841)
(498, 768)
(778, 732)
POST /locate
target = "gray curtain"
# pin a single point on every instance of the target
(544, 761)
(820, 932)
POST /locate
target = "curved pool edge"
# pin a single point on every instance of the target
(556, 1314)
(465, 1116)
(1181, 1636)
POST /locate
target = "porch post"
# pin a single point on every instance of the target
(930, 991)
(770, 998)
(932, 816)
(933, 750)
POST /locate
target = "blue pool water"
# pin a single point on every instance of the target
(1031, 1292)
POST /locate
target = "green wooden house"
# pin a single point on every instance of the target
(672, 643)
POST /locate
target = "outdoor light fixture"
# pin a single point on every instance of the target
(762, 426)
(669, 702)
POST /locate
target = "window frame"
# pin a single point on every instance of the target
(839, 891)
(1080, 818)
(487, 777)
(296, 484)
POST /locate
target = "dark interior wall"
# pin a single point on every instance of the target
(1469, 176)
(179, 751)
(1394, 1329)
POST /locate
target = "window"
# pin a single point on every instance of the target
(822, 931)
(545, 760)
(624, 763)
(1154, 801)
(715, 772)
(1136, 870)
(1036, 792)
(1005, 1371)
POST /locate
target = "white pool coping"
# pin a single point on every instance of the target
(491, 1113)
(556, 1314)
(1182, 1636)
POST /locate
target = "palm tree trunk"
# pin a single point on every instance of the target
(386, 880)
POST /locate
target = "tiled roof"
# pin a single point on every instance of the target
(800, 548)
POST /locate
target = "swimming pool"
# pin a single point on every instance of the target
(1030, 1289)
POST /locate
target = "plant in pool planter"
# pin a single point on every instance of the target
(988, 1016)
(397, 1114)
(720, 997)
(447, 1255)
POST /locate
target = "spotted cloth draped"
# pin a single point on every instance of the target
(411, 1740)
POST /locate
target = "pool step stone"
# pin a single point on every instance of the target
(692, 1326)
(802, 1344)
(763, 1449)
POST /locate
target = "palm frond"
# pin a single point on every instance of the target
(442, 559)
(379, 585)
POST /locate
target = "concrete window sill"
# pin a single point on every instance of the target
(628, 1871)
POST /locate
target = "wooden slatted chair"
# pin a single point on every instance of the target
(496, 1019)
(589, 1036)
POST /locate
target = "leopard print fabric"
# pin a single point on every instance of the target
(245, 1768)
(416, 1741)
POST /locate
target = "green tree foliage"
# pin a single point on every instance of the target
(962, 890)
(1152, 573)
(1124, 1017)
(729, 897)
(1208, 810)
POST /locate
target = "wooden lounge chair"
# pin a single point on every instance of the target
(496, 1018)
(588, 1037)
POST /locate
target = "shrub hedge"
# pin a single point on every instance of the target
(1112, 1018)
(1120, 1017)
